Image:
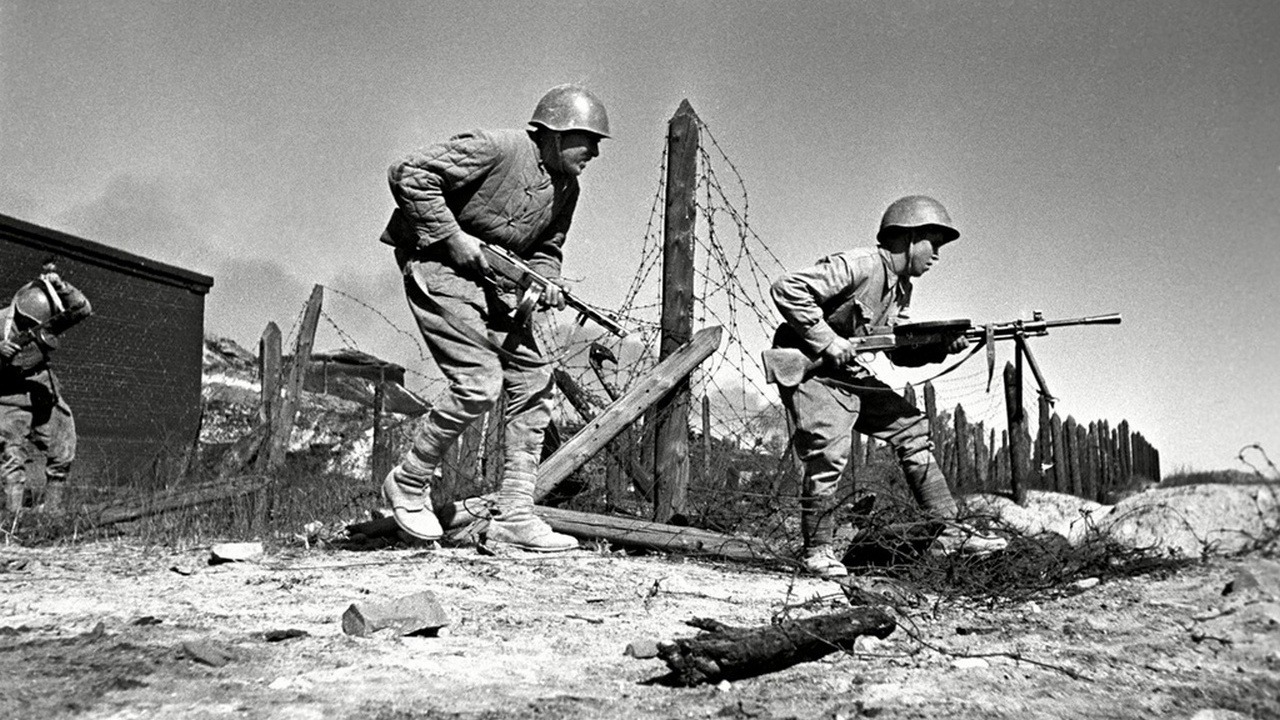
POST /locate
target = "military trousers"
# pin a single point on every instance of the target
(825, 410)
(45, 420)
(468, 327)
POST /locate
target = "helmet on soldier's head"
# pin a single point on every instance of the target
(35, 303)
(571, 107)
(915, 211)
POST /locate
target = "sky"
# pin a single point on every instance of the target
(1097, 157)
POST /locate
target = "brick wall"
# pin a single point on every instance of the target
(132, 371)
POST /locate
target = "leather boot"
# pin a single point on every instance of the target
(408, 493)
(513, 522)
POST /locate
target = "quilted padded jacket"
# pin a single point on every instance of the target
(489, 184)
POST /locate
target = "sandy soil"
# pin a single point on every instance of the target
(111, 630)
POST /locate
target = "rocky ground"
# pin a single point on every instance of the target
(1166, 604)
(115, 630)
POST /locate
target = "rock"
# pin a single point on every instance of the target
(419, 613)
(970, 663)
(641, 649)
(207, 653)
(1086, 583)
(235, 552)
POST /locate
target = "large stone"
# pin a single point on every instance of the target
(416, 614)
(235, 552)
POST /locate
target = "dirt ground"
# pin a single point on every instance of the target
(113, 630)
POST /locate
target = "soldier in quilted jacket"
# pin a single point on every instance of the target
(842, 296)
(516, 189)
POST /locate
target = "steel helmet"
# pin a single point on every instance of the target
(571, 107)
(915, 211)
(35, 303)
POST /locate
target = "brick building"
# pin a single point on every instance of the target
(132, 372)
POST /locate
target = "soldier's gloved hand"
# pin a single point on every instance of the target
(553, 297)
(465, 252)
(957, 345)
(839, 353)
(8, 349)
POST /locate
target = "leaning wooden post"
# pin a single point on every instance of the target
(657, 384)
(1019, 452)
(282, 424)
(671, 449)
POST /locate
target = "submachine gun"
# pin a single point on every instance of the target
(789, 367)
(532, 286)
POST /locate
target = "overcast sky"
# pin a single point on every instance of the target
(1097, 157)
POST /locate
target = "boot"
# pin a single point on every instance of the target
(968, 540)
(409, 495)
(13, 494)
(54, 497)
(514, 523)
(821, 560)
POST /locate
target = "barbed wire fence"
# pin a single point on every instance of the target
(743, 473)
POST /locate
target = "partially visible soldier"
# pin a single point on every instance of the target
(32, 407)
(845, 295)
(516, 189)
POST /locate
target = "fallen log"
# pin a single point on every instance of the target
(619, 531)
(177, 498)
(730, 653)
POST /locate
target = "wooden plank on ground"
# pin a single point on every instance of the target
(619, 531)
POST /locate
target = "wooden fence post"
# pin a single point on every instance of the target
(380, 460)
(964, 451)
(671, 458)
(282, 424)
(981, 459)
(269, 378)
(1076, 487)
(1080, 446)
(706, 441)
(1059, 473)
(1126, 454)
(1019, 436)
(1044, 446)
(931, 412)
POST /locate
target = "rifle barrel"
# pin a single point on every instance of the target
(1109, 319)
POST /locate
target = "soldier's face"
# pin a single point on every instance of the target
(923, 251)
(575, 150)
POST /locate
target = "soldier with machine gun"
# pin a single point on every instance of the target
(31, 406)
(826, 308)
